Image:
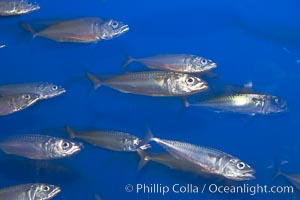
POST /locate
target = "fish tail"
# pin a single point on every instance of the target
(278, 171)
(144, 159)
(30, 29)
(128, 60)
(70, 132)
(149, 137)
(96, 81)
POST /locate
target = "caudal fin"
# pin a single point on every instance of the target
(278, 170)
(149, 137)
(96, 81)
(128, 60)
(143, 159)
(30, 29)
(70, 132)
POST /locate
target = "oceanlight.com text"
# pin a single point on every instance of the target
(176, 188)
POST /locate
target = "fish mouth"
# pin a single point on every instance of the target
(75, 149)
(212, 65)
(55, 192)
(34, 7)
(56, 93)
(247, 175)
(124, 29)
(202, 86)
(61, 91)
(208, 67)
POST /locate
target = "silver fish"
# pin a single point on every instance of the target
(208, 160)
(30, 191)
(2, 46)
(13, 103)
(153, 83)
(44, 90)
(246, 104)
(16, 7)
(176, 62)
(39, 147)
(82, 30)
(113, 140)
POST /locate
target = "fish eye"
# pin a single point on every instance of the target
(114, 24)
(240, 165)
(190, 80)
(65, 145)
(204, 61)
(46, 188)
(54, 87)
(26, 97)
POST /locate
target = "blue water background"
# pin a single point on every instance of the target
(254, 41)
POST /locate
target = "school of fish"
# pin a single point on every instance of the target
(169, 75)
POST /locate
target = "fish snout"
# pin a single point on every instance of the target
(61, 90)
(248, 177)
(75, 148)
(212, 65)
(247, 174)
(202, 86)
(208, 66)
(124, 28)
(34, 7)
(55, 191)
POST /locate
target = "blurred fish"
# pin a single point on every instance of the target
(13, 103)
(206, 159)
(272, 165)
(16, 7)
(44, 90)
(176, 62)
(282, 32)
(153, 83)
(113, 140)
(39, 147)
(30, 191)
(251, 104)
(83, 30)
(2, 46)
(292, 178)
(96, 196)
